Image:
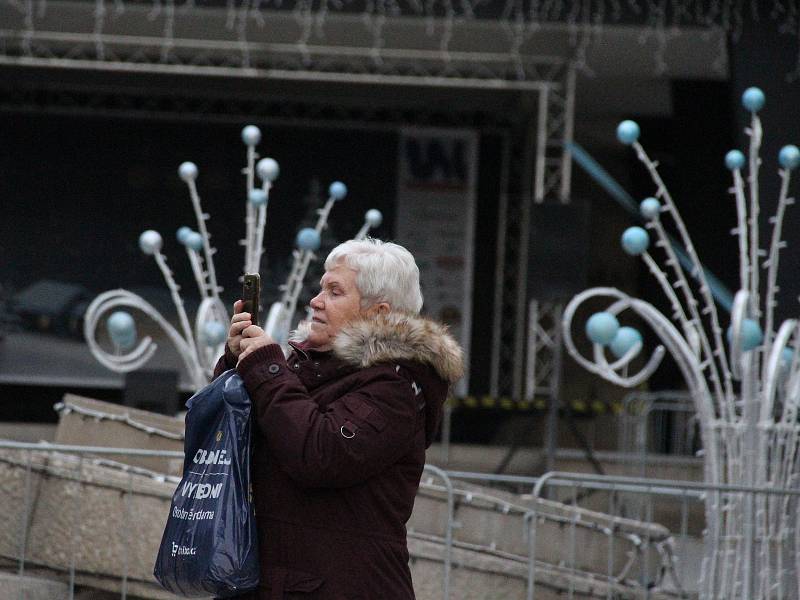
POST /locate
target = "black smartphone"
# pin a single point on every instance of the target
(251, 296)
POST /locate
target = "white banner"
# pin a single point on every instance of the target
(435, 220)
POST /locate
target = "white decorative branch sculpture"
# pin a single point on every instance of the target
(199, 347)
(746, 393)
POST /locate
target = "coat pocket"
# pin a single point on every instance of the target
(364, 412)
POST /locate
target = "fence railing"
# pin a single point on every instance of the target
(582, 541)
(660, 499)
(28, 465)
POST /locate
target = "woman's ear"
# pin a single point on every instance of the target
(380, 308)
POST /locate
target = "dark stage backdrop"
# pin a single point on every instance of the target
(77, 191)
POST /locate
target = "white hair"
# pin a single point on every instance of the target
(385, 272)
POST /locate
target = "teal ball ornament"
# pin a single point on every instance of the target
(268, 169)
(337, 190)
(214, 333)
(150, 242)
(194, 241)
(373, 217)
(257, 197)
(650, 208)
(602, 328)
(182, 234)
(628, 132)
(308, 239)
(789, 157)
(734, 160)
(122, 329)
(626, 338)
(787, 356)
(187, 171)
(750, 334)
(251, 135)
(635, 241)
(753, 99)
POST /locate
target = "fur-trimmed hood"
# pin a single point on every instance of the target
(396, 336)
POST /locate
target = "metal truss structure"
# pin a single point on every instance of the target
(538, 170)
(544, 364)
(295, 45)
(544, 350)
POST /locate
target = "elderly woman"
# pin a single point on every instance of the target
(342, 426)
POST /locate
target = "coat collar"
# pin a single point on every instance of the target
(394, 336)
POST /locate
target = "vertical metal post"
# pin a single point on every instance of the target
(522, 264)
(448, 548)
(611, 531)
(569, 123)
(128, 535)
(750, 416)
(446, 429)
(499, 269)
(554, 396)
(74, 528)
(532, 351)
(529, 529)
(541, 145)
(647, 543)
(23, 539)
(571, 562)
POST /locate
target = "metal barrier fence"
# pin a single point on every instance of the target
(722, 575)
(69, 471)
(662, 422)
(30, 451)
(562, 548)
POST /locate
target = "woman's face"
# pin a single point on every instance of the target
(337, 303)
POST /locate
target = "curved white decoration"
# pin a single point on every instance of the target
(198, 354)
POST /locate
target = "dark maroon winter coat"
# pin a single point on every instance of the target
(339, 449)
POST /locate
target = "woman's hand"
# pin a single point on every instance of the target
(239, 322)
(253, 338)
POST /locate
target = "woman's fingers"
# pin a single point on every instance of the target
(238, 327)
(252, 331)
(239, 322)
(251, 344)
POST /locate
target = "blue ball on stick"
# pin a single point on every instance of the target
(122, 329)
(789, 157)
(626, 338)
(308, 239)
(194, 241)
(602, 328)
(628, 132)
(257, 197)
(750, 335)
(650, 208)
(214, 333)
(337, 190)
(734, 160)
(753, 99)
(635, 241)
(182, 234)
(251, 135)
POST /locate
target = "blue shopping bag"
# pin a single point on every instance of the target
(209, 546)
